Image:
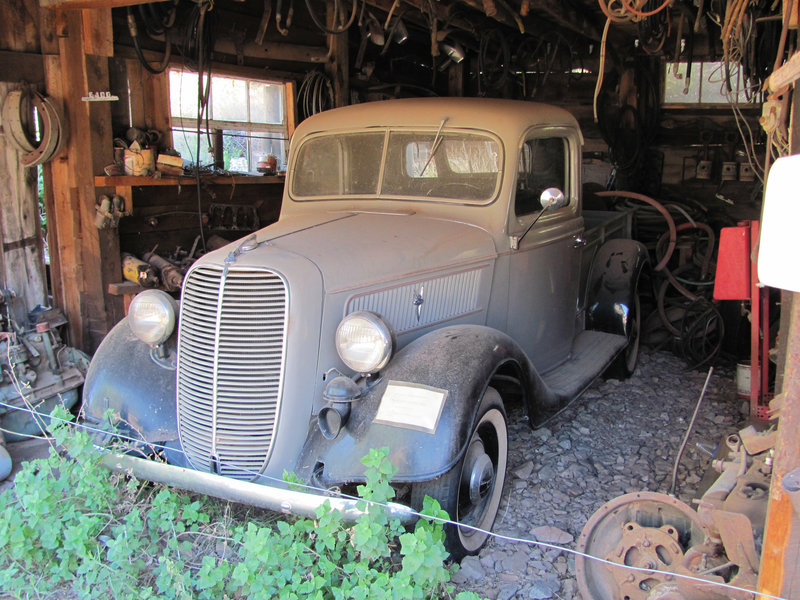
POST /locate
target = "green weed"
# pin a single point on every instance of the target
(70, 528)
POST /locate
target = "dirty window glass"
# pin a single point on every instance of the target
(542, 165)
(464, 166)
(339, 165)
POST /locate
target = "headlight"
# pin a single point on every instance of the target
(151, 316)
(364, 342)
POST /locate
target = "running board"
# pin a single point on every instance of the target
(592, 352)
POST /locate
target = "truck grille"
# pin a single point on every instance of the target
(231, 344)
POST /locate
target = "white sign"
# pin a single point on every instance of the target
(411, 405)
(777, 254)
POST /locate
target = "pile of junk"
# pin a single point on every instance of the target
(37, 372)
(653, 546)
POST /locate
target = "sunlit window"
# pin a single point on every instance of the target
(708, 83)
(248, 115)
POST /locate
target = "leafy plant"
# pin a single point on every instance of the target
(71, 526)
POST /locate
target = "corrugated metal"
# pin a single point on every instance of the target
(443, 298)
(231, 346)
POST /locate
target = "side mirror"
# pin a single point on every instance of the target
(552, 199)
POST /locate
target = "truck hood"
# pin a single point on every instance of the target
(353, 250)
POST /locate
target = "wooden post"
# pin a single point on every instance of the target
(779, 573)
(338, 67)
(89, 258)
(780, 558)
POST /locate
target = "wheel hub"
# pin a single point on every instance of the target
(478, 473)
(645, 530)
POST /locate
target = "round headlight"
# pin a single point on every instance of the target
(364, 342)
(151, 316)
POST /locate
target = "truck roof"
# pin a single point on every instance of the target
(506, 118)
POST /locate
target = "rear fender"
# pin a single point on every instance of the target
(460, 360)
(612, 285)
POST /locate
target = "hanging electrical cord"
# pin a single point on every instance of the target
(315, 94)
(629, 11)
(279, 20)
(158, 25)
(653, 30)
(203, 95)
(494, 59)
(336, 10)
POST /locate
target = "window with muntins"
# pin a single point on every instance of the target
(248, 115)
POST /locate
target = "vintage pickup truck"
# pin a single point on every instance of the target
(431, 262)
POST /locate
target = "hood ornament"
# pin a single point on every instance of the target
(248, 244)
(419, 300)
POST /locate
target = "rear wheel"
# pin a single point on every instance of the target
(470, 492)
(625, 363)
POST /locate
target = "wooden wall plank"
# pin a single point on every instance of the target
(66, 270)
(20, 232)
(98, 36)
(21, 250)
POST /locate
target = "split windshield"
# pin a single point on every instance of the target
(453, 166)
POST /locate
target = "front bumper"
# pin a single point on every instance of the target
(282, 500)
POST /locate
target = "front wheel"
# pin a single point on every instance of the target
(470, 492)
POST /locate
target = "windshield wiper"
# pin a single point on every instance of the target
(437, 141)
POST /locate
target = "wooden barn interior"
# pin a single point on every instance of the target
(689, 102)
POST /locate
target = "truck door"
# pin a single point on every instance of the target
(545, 269)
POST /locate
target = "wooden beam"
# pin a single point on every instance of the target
(273, 51)
(15, 66)
(563, 15)
(220, 68)
(96, 4)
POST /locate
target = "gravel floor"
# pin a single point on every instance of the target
(619, 437)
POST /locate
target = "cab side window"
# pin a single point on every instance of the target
(542, 165)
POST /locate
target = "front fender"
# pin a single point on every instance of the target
(612, 285)
(461, 360)
(124, 378)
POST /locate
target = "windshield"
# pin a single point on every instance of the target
(454, 166)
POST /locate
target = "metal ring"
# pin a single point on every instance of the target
(12, 121)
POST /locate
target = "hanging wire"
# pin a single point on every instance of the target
(336, 10)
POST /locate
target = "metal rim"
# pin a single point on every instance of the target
(482, 478)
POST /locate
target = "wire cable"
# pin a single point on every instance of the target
(327, 29)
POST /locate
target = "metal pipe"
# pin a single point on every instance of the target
(282, 500)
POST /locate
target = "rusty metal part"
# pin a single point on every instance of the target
(138, 271)
(51, 127)
(647, 530)
(171, 277)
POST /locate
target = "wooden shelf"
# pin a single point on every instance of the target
(135, 181)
